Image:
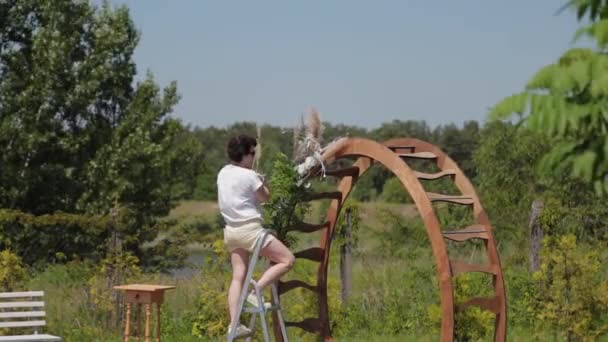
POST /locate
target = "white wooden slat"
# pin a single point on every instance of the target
(30, 338)
(19, 324)
(22, 314)
(21, 305)
(21, 294)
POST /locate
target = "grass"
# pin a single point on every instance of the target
(194, 208)
(392, 286)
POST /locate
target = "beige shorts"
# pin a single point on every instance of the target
(244, 236)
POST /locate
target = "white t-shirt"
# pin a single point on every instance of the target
(236, 187)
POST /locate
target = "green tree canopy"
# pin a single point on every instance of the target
(77, 133)
(567, 100)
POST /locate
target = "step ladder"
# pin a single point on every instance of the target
(261, 310)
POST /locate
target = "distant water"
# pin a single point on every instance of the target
(192, 268)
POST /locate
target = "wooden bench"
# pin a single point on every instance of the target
(23, 310)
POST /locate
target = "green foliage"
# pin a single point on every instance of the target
(571, 298)
(471, 324)
(168, 251)
(66, 73)
(211, 319)
(77, 134)
(387, 302)
(394, 192)
(115, 269)
(520, 289)
(12, 271)
(355, 224)
(508, 181)
(506, 162)
(52, 237)
(287, 204)
(459, 144)
(401, 236)
(565, 101)
(365, 190)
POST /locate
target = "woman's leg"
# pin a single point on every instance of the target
(276, 252)
(239, 259)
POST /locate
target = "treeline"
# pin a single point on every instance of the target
(458, 141)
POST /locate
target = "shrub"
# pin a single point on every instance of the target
(12, 271)
(571, 298)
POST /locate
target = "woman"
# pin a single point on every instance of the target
(240, 192)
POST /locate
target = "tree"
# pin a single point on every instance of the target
(508, 180)
(506, 162)
(65, 78)
(459, 144)
(566, 100)
(77, 134)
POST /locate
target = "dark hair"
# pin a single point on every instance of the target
(240, 146)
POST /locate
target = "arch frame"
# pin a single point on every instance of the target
(392, 154)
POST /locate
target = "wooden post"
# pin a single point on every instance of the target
(346, 257)
(158, 322)
(127, 323)
(536, 234)
(148, 295)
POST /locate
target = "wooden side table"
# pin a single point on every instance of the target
(138, 294)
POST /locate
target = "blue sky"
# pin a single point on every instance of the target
(359, 62)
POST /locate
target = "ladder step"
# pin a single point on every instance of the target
(311, 325)
(294, 284)
(418, 155)
(253, 309)
(470, 232)
(459, 267)
(432, 176)
(324, 195)
(458, 199)
(490, 304)
(314, 254)
(304, 227)
(344, 172)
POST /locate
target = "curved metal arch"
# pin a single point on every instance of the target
(368, 152)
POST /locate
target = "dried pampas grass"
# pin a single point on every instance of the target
(258, 149)
(308, 136)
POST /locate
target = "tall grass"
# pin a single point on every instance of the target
(394, 286)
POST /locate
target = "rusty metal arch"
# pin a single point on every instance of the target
(393, 155)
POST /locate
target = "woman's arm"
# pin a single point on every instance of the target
(262, 194)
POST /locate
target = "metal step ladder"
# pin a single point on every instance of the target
(260, 310)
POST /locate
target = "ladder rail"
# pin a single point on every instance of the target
(276, 302)
(261, 310)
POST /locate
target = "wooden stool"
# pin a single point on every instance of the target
(142, 294)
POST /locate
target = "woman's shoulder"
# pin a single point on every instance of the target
(234, 169)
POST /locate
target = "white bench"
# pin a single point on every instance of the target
(23, 310)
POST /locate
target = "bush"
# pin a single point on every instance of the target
(571, 298)
(51, 238)
(212, 317)
(473, 323)
(287, 205)
(394, 192)
(12, 271)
